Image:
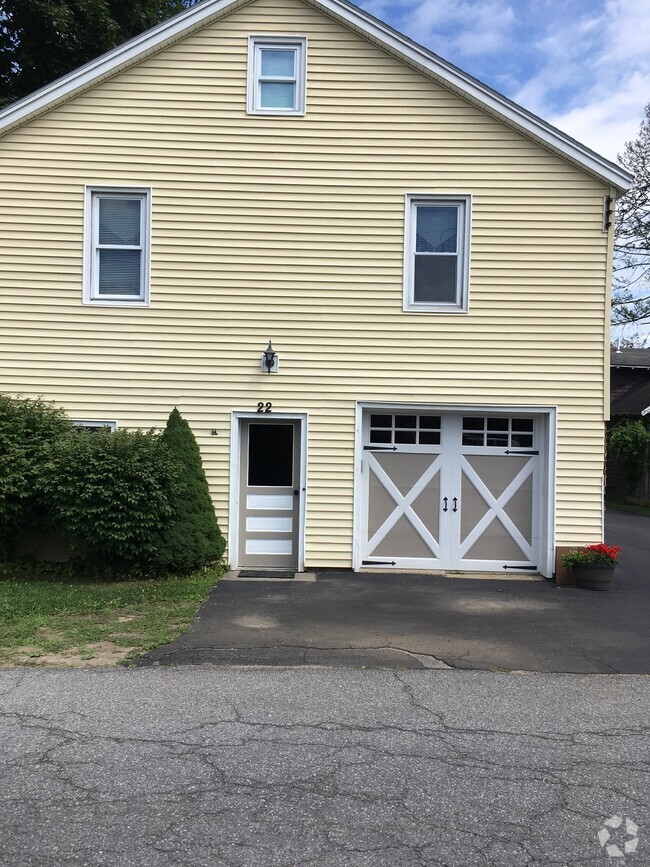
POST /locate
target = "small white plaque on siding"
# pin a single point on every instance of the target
(282, 502)
(266, 524)
(269, 546)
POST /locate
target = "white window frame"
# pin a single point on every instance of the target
(91, 246)
(88, 422)
(464, 203)
(255, 46)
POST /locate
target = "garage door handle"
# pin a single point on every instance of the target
(455, 509)
(444, 500)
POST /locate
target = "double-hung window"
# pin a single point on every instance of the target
(436, 272)
(117, 246)
(93, 425)
(276, 75)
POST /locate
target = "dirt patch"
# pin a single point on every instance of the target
(101, 654)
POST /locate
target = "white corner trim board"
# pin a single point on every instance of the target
(442, 71)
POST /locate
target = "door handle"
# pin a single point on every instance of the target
(444, 500)
(296, 492)
(455, 509)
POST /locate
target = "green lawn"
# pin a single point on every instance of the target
(56, 619)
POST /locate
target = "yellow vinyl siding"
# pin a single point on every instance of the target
(292, 228)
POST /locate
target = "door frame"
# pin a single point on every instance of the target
(547, 474)
(237, 416)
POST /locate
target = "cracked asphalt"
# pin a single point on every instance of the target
(315, 767)
(424, 621)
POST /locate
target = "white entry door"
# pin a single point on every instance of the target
(269, 493)
(451, 491)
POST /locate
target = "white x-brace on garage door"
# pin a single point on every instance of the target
(458, 491)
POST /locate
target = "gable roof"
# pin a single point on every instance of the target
(630, 358)
(367, 25)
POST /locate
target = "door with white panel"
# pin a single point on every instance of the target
(269, 493)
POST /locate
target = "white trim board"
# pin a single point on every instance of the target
(235, 459)
(91, 221)
(367, 25)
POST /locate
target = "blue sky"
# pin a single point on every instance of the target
(582, 65)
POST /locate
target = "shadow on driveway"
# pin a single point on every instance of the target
(423, 621)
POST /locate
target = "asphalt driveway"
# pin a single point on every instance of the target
(422, 621)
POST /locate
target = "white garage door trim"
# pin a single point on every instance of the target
(546, 480)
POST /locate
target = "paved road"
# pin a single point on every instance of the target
(319, 768)
(415, 621)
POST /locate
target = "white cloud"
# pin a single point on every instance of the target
(583, 66)
(468, 27)
(605, 124)
(595, 78)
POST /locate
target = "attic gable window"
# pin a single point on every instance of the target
(117, 229)
(276, 75)
(436, 252)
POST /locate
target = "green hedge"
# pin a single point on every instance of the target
(112, 493)
(128, 500)
(28, 429)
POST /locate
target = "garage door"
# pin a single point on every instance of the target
(451, 491)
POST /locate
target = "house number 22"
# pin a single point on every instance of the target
(264, 407)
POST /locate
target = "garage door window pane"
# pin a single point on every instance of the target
(405, 436)
(497, 439)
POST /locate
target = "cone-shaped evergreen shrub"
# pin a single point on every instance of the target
(192, 538)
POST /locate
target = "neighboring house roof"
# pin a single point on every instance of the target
(630, 398)
(630, 358)
(630, 385)
(372, 28)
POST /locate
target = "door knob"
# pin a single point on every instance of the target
(296, 492)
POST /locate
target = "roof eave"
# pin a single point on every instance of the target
(112, 61)
(481, 94)
(449, 75)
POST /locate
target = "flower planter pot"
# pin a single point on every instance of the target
(594, 576)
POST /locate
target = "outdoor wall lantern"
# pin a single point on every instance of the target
(270, 361)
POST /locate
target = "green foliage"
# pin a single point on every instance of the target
(50, 608)
(193, 538)
(113, 493)
(629, 440)
(27, 430)
(601, 554)
(41, 40)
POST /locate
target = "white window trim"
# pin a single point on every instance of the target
(90, 296)
(88, 422)
(257, 42)
(411, 203)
